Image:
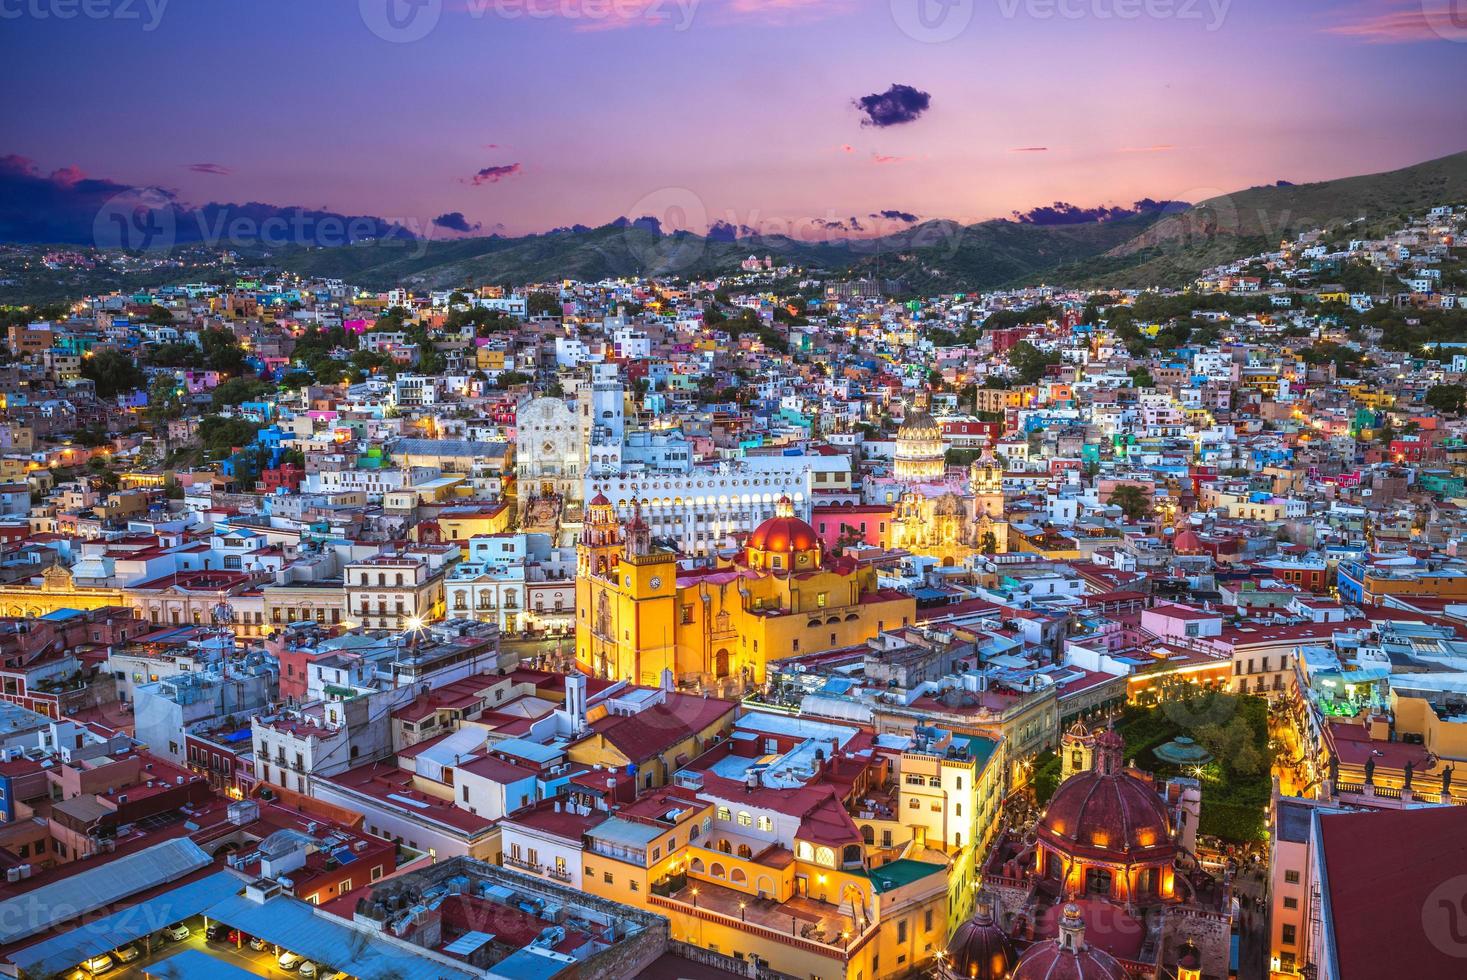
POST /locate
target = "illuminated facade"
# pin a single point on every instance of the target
(783, 595)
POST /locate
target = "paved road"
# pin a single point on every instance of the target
(1253, 924)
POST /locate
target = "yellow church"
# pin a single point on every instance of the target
(717, 628)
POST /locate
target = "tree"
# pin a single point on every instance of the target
(1447, 399)
(1029, 362)
(222, 351)
(1132, 501)
(238, 390)
(543, 304)
(1141, 378)
(113, 372)
(165, 399)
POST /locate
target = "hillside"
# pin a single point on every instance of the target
(1176, 249)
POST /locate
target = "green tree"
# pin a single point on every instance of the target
(113, 372)
(1029, 362)
(1141, 378)
(222, 351)
(1447, 399)
(238, 390)
(1132, 500)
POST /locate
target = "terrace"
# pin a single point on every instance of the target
(801, 922)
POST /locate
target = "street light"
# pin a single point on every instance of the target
(695, 898)
(742, 906)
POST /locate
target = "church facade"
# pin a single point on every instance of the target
(718, 628)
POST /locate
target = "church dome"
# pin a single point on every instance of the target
(1068, 957)
(1188, 542)
(784, 542)
(1107, 816)
(979, 950)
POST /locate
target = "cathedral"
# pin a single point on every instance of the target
(1114, 847)
(717, 628)
(937, 513)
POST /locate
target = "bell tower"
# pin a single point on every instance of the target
(600, 544)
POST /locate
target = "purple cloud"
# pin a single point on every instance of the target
(493, 175)
(455, 221)
(217, 169)
(896, 106)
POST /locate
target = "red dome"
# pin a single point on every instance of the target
(784, 535)
(1108, 817)
(979, 950)
(1068, 957)
(1049, 961)
(1189, 542)
(600, 500)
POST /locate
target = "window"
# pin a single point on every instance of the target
(902, 931)
(606, 877)
(745, 820)
(1288, 936)
(765, 823)
(724, 813)
(927, 921)
(1292, 877)
(1291, 903)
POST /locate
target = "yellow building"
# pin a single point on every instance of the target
(781, 597)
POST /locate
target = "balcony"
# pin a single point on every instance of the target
(559, 874)
(533, 867)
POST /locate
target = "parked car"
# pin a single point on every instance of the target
(309, 969)
(257, 944)
(289, 960)
(176, 932)
(128, 953)
(99, 964)
(217, 932)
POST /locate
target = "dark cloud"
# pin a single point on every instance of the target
(68, 207)
(1030, 149)
(217, 169)
(897, 105)
(493, 175)
(646, 222)
(455, 221)
(1064, 213)
(905, 216)
(851, 224)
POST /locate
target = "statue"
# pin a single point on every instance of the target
(1370, 771)
(1410, 772)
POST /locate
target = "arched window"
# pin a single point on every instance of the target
(825, 856)
(745, 851)
(738, 877)
(804, 851)
(717, 871)
(696, 866)
(868, 835)
(745, 820)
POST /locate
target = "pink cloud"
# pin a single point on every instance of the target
(1406, 23)
(1160, 148)
(1030, 149)
(879, 159)
(847, 148)
(67, 176)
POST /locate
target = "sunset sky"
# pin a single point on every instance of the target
(748, 112)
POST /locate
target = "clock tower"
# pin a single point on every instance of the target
(626, 599)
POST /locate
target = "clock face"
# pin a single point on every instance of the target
(656, 582)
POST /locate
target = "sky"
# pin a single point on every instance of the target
(515, 116)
